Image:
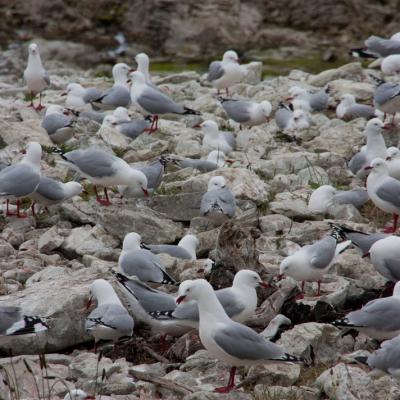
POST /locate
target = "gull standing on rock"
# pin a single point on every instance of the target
(378, 319)
(109, 320)
(35, 75)
(226, 73)
(227, 340)
(348, 109)
(393, 162)
(383, 190)
(119, 94)
(141, 262)
(375, 147)
(311, 262)
(185, 249)
(78, 96)
(21, 179)
(128, 127)
(215, 159)
(246, 112)
(283, 115)
(57, 124)
(102, 168)
(387, 97)
(51, 191)
(154, 102)
(218, 203)
(213, 139)
(304, 100)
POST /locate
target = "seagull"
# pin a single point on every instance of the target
(226, 73)
(13, 322)
(298, 121)
(393, 162)
(304, 100)
(127, 126)
(273, 330)
(246, 112)
(218, 201)
(361, 240)
(326, 195)
(143, 62)
(21, 179)
(311, 262)
(102, 168)
(385, 257)
(185, 249)
(391, 64)
(387, 97)
(283, 115)
(57, 124)
(375, 147)
(215, 159)
(154, 172)
(154, 102)
(109, 320)
(349, 109)
(51, 191)
(78, 96)
(213, 139)
(141, 262)
(122, 46)
(118, 95)
(35, 75)
(377, 47)
(383, 190)
(227, 340)
(378, 319)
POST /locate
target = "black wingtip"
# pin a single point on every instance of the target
(362, 359)
(291, 358)
(158, 314)
(377, 80)
(120, 277)
(32, 324)
(189, 111)
(57, 150)
(342, 322)
(361, 53)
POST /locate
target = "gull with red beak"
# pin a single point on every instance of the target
(35, 75)
(383, 190)
(226, 73)
(105, 169)
(57, 124)
(79, 97)
(227, 340)
(393, 162)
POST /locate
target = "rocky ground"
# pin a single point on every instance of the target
(48, 262)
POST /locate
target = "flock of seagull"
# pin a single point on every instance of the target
(219, 316)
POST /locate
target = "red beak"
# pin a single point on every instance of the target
(229, 161)
(197, 126)
(90, 398)
(132, 70)
(279, 277)
(264, 285)
(289, 98)
(129, 81)
(388, 158)
(63, 94)
(89, 303)
(387, 127)
(23, 151)
(365, 255)
(180, 299)
(146, 193)
(367, 168)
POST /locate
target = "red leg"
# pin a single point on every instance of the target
(97, 195)
(33, 209)
(107, 201)
(393, 228)
(301, 295)
(384, 117)
(231, 383)
(20, 215)
(39, 107)
(8, 212)
(319, 289)
(394, 116)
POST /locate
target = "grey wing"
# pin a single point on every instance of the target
(116, 96)
(364, 241)
(237, 110)
(360, 111)
(386, 92)
(156, 102)
(380, 314)
(230, 303)
(227, 201)
(201, 165)
(91, 94)
(93, 162)
(53, 122)
(322, 252)
(173, 251)
(356, 197)
(389, 191)
(188, 311)
(387, 357)
(230, 139)
(133, 129)
(357, 162)
(392, 266)
(8, 316)
(319, 101)
(241, 342)
(215, 71)
(18, 180)
(282, 117)
(382, 47)
(154, 173)
(112, 316)
(50, 189)
(46, 78)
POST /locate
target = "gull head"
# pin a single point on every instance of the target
(121, 114)
(209, 127)
(298, 92)
(33, 48)
(189, 243)
(137, 78)
(109, 121)
(230, 56)
(99, 289)
(55, 109)
(396, 37)
(131, 241)
(120, 72)
(143, 61)
(215, 183)
(73, 188)
(141, 180)
(347, 99)
(248, 278)
(374, 126)
(377, 166)
(33, 153)
(300, 119)
(266, 108)
(392, 153)
(218, 157)
(193, 290)
(75, 89)
(77, 394)
(287, 265)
